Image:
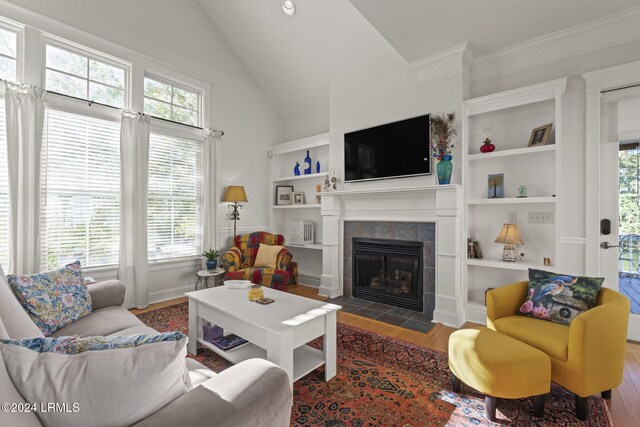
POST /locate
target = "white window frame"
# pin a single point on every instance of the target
(18, 29)
(82, 110)
(176, 84)
(35, 30)
(178, 130)
(51, 40)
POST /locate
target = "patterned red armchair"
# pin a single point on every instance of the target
(239, 261)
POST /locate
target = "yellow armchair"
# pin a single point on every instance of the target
(587, 357)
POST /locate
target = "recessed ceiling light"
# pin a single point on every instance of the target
(289, 8)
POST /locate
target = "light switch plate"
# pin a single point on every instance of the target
(541, 217)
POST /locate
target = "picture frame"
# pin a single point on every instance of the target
(495, 184)
(298, 198)
(540, 136)
(284, 195)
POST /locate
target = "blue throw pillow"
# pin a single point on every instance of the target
(53, 299)
(559, 298)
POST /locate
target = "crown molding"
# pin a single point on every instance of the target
(455, 60)
(613, 77)
(594, 35)
(513, 98)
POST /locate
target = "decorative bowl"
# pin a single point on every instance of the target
(237, 284)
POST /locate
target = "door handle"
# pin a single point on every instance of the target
(606, 245)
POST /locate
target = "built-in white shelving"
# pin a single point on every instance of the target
(512, 115)
(511, 200)
(320, 175)
(283, 160)
(313, 246)
(305, 206)
(512, 152)
(496, 263)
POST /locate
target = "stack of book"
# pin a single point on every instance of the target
(473, 249)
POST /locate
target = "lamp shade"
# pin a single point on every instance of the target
(235, 193)
(509, 235)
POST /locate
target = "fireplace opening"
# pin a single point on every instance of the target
(388, 271)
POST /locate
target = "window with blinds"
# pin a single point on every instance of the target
(4, 191)
(175, 177)
(80, 190)
(8, 54)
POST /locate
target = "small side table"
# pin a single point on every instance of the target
(216, 275)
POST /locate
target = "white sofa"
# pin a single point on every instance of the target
(252, 393)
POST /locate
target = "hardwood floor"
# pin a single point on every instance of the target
(625, 402)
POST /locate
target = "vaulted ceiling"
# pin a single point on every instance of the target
(292, 58)
(418, 28)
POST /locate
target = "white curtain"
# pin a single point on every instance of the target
(210, 198)
(25, 120)
(133, 267)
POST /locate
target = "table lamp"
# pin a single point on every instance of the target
(235, 194)
(510, 237)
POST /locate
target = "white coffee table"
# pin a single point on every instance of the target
(277, 332)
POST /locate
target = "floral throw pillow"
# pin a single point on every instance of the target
(76, 344)
(559, 298)
(53, 299)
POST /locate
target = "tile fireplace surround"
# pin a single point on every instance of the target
(391, 213)
(424, 232)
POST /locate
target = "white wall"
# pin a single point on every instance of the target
(180, 35)
(572, 223)
(383, 90)
(306, 123)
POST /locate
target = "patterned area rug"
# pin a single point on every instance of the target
(387, 382)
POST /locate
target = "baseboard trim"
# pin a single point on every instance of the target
(309, 280)
(446, 318)
(476, 315)
(168, 294)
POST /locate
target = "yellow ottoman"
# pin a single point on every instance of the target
(499, 366)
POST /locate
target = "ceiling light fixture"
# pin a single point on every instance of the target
(288, 8)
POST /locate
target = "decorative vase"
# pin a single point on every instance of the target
(487, 146)
(296, 169)
(212, 264)
(444, 169)
(307, 164)
(318, 166)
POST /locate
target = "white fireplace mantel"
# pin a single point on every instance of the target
(440, 204)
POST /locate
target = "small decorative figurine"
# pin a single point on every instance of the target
(296, 170)
(327, 183)
(522, 191)
(333, 179)
(318, 166)
(487, 146)
(307, 164)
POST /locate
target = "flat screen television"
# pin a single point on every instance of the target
(393, 150)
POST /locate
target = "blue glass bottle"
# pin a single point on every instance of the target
(307, 164)
(318, 166)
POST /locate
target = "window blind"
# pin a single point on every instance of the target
(81, 188)
(175, 200)
(4, 191)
